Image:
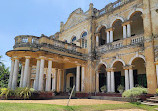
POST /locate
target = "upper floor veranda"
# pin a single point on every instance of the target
(119, 25)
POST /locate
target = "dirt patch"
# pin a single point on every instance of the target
(64, 102)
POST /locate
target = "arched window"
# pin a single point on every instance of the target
(84, 40)
(73, 39)
(84, 34)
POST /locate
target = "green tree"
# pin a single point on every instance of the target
(4, 74)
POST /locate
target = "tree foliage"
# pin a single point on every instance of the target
(4, 74)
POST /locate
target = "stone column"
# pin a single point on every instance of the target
(157, 72)
(124, 32)
(11, 73)
(83, 76)
(111, 36)
(108, 81)
(97, 41)
(131, 78)
(55, 80)
(41, 75)
(126, 79)
(26, 71)
(48, 84)
(128, 30)
(108, 36)
(37, 74)
(22, 75)
(97, 81)
(112, 81)
(78, 78)
(29, 77)
(15, 73)
(60, 74)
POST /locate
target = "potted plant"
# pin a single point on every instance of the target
(120, 88)
(103, 89)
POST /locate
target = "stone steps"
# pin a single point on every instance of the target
(152, 101)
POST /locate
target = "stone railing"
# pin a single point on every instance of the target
(25, 42)
(138, 39)
(112, 6)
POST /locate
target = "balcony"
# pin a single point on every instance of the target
(131, 41)
(34, 43)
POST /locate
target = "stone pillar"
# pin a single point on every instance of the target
(131, 78)
(37, 74)
(111, 36)
(26, 71)
(29, 77)
(60, 74)
(128, 30)
(83, 76)
(41, 75)
(112, 81)
(48, 82)
(15, 73)
(11, 73)
(55, 80)
(22, 75)
(124, 32)
(108, 36)
(97, 41)
(78, 78)
(108, 81)
(97, 81)
(126, 79)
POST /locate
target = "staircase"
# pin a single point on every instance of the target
(152, 101)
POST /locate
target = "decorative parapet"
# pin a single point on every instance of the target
(112, 6)
(135, 40)
(42, 43)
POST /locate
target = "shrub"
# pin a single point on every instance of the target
(103, 88)
(120, 88)
(134, 92)
(157, 91)
(4, 92)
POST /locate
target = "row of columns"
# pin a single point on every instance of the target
(129, 80)
(109, 32)
(39, 79)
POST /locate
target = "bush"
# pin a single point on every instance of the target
(134, 92)
(4, 92)
(157, 91)
(103, 88)
(23, 93)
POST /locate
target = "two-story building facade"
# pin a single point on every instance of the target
(114, 46)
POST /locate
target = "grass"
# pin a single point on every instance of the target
(48, 107)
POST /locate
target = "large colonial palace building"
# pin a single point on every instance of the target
(114, 46)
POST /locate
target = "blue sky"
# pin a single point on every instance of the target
(36, 17)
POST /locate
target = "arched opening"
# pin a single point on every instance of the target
(102, 36)
(139, 72)
(137, 26)
(73, 39)
(70, 81)
(102, 76)
(119, 75)
(118, 30)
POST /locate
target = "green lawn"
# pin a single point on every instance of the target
(48, 107)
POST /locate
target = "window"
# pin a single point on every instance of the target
(24, 40)
(73, 39)
(84, 40)
(84, 34)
